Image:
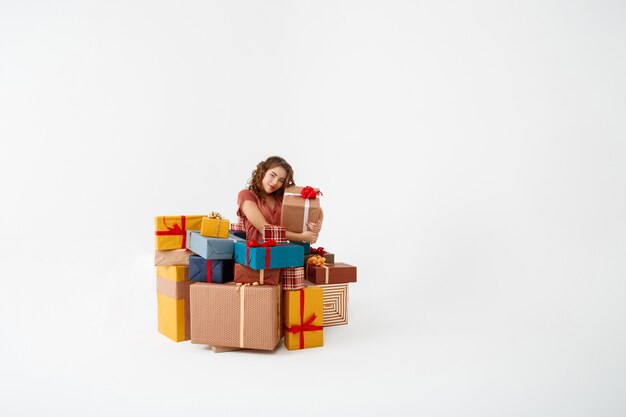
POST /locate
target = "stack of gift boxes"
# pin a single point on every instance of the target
(216, 288)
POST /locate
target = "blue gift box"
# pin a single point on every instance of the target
(209, 247)
(283, 255)
(219, 270)
(305, 245)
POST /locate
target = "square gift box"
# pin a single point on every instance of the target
(255, 255)
(236, 315)
(304, 316)
(170, 231)
(210, 270)
(336, 273)
(335, 303)
(292, 279)
(275, 233)
(300, 206)
(209, 247)
(215, 227)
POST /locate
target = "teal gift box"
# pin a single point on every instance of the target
(209, 247)
(305, 245)
(283, 255)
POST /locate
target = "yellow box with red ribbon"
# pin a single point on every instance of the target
(304, 318)
(171, 231)
(215, 226)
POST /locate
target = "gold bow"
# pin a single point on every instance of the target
(316, 260)
(215, 215)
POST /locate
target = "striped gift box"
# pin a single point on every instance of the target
(292, 278)
(335, 304)
(276, 233)
(238, 227)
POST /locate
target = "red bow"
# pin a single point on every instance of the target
(304, 326)
(308, 192)
(175, 230)
(318, 251)
(254, 244)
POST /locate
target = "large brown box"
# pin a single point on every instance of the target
(247, 275)
(336, 273)
(232, 315)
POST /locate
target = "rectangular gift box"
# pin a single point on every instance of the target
(236, 315)
(275, 233)
(236, 234)
(170, 230)
(329, 258)
(292, 279)
(210, 270)
(173, 302)
(304, 317)
(336, 273)
(171, 257)
(209, 247)
(335, 303)
(297, 211)
(215, 227)
(244, 275)
(283, 255)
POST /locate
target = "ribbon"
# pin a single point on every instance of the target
(215, 215)
(209, 270)
(304, 326)
(318, 251)
(175, 230)
(261, 275)
(308, 192)
(242, 305)
(326, 269)
(316, 260)
(254, 244)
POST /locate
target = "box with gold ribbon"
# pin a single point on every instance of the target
(170, 231)
(335, 273)
(329, 258)
(304, 318)
(236, 315)
(300, 206)
(215, 226)
(246, 275)
(173, 302)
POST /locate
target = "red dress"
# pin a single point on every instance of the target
(272, 216)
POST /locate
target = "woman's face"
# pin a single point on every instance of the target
(274, 179)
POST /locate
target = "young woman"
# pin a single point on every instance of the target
(262, 202)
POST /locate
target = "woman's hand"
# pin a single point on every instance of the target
(309, 236)
(314, 227)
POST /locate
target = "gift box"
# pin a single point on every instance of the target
(305, 245)
(304, 315)
(237, 227)
(236, 315)
(210, 270)
(173, 302)
(329, 258)
(171, 257)
(300, 206)
(238, 235)
(275, 233)
(215, 226)
(209, 247)
(292, 279)
(335, 303)
(335, 273)
(170, 231)
(268, 255)
(244, 275)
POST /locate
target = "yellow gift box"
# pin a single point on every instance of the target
(171, 231)
(304, 318)
(215, 226)
(173, 301)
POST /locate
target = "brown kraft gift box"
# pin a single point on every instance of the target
(294, 208)
(236, 315)
(247, 275)
(171, 257)
(336, 273)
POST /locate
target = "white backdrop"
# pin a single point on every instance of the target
(472, 157)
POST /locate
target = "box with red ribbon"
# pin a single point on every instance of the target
(275, 233)
(210, 270)
(304, 318)
(301, 205)
(268, 254)
(171, 231)
(246, 275)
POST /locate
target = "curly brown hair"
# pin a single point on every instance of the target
(254, 183)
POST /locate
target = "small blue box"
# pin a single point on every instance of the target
(209, 247)
(283, 255)
(221, 270)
